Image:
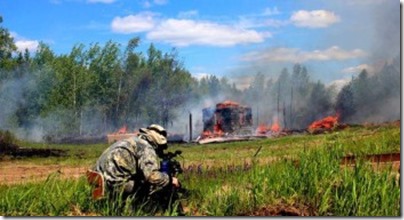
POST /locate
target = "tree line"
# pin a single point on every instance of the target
(97, 88)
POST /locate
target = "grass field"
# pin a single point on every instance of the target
(291, 175)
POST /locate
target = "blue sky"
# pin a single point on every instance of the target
(334, 39)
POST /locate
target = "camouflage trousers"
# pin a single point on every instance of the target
(129, 189)
(140, 196)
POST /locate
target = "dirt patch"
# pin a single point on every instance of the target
(283, 209)
(378, 161)
(375, 158)
(11, 173)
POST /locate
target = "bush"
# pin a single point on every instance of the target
(7, 142)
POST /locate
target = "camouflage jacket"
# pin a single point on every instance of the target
(131, 159)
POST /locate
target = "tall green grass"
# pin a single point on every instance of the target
(52, 197)
(317, 180)
(311, 175)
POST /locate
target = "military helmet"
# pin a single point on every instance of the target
(155, 134)
(159, 129)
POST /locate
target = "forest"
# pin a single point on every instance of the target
(95, 89)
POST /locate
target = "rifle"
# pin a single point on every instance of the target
(169, 165)
(171, 195)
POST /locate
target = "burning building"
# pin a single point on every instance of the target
(227, 117)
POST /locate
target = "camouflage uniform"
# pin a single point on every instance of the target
(130, 164)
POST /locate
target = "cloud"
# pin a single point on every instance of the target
(133, 23)
(252, 22)
(295, 55)
(261, 19)
(101, 1)
(94, 25)
(366, 2)
(147, 4)
(271, 11)
(31, 45)
(21, 43)
(242, 82)
(358, 69)
(188, 14)
(199, 76)
(302, 18)
(183, 32)
(275, 23)
(339, 83)
(150, 3)
(314, 19)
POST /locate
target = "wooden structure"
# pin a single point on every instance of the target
(227, 117)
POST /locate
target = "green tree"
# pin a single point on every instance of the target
(282, 91)
(345, 103)
(170, 85)
(318, 105)
(7, 48)
(104, 70)
(130, 85)
(299, 93)
(37, 77)
(254, 93)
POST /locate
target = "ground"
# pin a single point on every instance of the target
(283, 209)
(14, 173)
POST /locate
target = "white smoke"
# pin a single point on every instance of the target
(181, 123)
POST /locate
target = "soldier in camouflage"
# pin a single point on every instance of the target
(131, 165)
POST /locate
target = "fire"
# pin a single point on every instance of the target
(217, 132)
(262, 129)
(226, 119)
(275, 127)
(123, 130)
(206, 133)
(122, 133)
(327, 123)
(227, 104)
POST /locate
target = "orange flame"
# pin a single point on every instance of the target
(217, 130)
(261, 129)
(275, 127)
(122, 130)
(326, 123)
(227, 104)
(206, 134)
